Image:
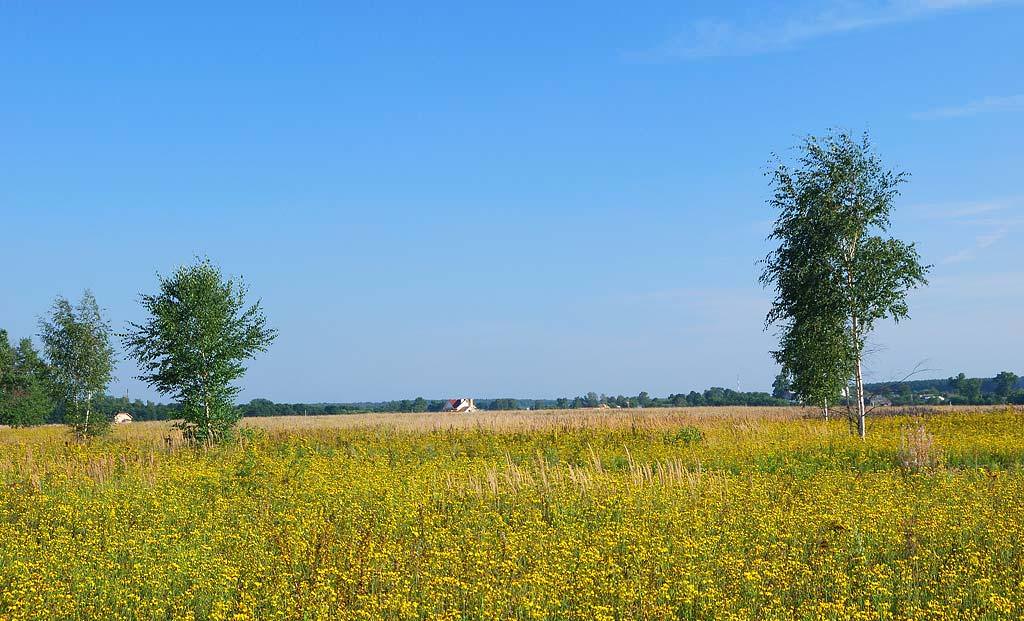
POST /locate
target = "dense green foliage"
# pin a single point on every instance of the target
(193, 343)
(80, 361)
(834, 274)
(1006, 385)
(24, 388)
(808, 354)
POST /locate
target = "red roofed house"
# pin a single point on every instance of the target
(465, 404)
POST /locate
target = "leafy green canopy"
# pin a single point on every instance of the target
(814, 353)
(25, 398)
(76, 341)
(194, 342)
(834, 272)
(1005, 384)
(24, 391)
(6, 366)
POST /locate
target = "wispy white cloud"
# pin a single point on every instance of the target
(958, 257)
(997, 218)
(981, 242)
(708, 38)
(988, 239)
(968, 209)
(972, 108)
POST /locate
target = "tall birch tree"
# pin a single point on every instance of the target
(76, 343)
(835, 272)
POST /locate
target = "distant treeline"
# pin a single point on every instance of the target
(954, 391)
(1005, 387)
(140, 410)
(148, 410)
(712, 396)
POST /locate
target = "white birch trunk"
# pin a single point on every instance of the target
(88, 411)
(859, 382)
(861, 413)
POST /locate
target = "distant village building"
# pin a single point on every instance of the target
(122, 417)
(878, 400)
(465, 404)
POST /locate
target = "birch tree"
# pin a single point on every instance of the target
(76, 343)
(193, 345)
(835, 273)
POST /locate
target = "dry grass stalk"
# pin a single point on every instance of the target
(918, 451)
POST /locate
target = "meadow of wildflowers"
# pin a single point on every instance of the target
(609, 516)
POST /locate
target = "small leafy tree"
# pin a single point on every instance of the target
(972, 389)
(643, 399)
(24, 393)
(969, 388)
(957, 383)
(76, 342)
(25, 399)
(193, 345)
(1005, 385)
(783, 384)
(833, 266)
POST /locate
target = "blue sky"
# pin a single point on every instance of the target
(440, 199)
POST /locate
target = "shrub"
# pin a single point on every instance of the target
(684, 435)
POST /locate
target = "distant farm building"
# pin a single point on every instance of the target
(464, 404)
(122, 417)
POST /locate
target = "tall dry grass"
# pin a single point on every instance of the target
(594, 418)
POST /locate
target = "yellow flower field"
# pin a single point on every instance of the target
(673, 515)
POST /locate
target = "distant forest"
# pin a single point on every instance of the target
(148, 410)
(954, 391)
(1006, 387)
